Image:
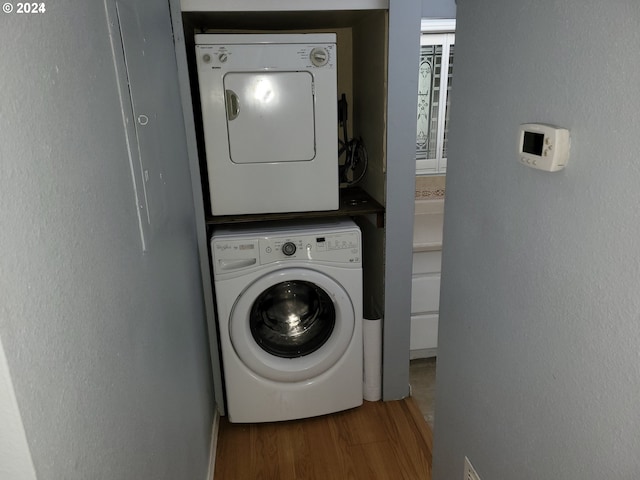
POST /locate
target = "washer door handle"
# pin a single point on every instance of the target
(233, 104)
(236, 264)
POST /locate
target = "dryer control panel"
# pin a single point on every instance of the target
(251, 52)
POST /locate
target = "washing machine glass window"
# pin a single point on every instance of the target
(292, 319)
(299, 367)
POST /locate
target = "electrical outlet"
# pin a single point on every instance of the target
(470, 472)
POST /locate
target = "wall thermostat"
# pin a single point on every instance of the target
(543, 146)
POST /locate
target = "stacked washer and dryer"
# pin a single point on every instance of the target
(289, 293)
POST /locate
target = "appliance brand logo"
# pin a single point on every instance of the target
(221, 247)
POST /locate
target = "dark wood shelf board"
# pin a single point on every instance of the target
(353, 202)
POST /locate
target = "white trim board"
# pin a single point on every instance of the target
(215, 428)
(437, 25)
(15, 457)
(280, 5)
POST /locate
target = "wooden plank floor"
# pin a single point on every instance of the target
(379, 440)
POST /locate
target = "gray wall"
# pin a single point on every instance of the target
(106, 345)
(538, 372)
(404, 32)
(439, 8)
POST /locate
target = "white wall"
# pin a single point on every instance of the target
(106, 346)
(538, 368)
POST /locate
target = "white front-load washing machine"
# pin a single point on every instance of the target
(270, 121)
(289, 303)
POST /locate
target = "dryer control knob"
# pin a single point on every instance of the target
(319, 56)
(289, 248)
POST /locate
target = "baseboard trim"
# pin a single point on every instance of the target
(214, 445)
(423, 353)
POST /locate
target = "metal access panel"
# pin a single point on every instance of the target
(142, 82)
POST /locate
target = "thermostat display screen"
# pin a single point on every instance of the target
(533, 143)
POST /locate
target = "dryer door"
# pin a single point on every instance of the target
(292, 325)
(270, 116)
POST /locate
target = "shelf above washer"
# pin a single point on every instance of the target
(353, 202)
(280, 5)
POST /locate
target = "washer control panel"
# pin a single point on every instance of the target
(238, 254)
(343, 247)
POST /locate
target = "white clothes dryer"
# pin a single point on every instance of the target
(270, 121)
(289, 303)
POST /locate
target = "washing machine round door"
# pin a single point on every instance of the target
(292, 324)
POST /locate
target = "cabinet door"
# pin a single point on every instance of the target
(427, 262)
(270, 116)
(424, 331)
(425, 293)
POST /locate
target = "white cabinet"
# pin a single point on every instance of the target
(425, 301)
